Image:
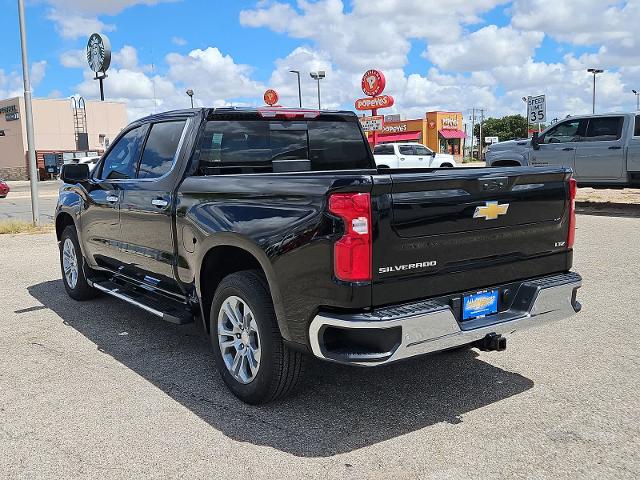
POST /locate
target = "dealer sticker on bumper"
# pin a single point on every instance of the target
(480, 304)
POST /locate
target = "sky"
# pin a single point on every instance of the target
(449, 55)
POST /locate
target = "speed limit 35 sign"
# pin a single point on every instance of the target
(537, 109)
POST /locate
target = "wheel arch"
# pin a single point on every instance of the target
(63, 220)
(226, 258)
(506, 163)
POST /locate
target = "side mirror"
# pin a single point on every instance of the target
(535, 141)
(75, 173)
(433, 154)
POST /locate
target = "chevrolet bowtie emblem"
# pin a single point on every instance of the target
(491, 211)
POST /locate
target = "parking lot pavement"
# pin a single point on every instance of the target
(17, 205)
(103, 390)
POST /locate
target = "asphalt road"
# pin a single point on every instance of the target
(17, 205)
(103, 390)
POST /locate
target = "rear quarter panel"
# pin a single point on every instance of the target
(281, 220)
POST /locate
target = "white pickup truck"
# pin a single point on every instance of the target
(602, 150)
(410, 155)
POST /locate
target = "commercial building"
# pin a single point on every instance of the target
(63, 129)
(442, 132)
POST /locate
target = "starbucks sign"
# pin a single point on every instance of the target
(99, 53)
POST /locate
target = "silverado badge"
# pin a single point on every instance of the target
(491, 210)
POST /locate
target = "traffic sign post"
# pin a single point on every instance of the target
(537, 110)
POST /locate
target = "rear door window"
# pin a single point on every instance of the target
(406, 150)
(160, 149)
(250, 146)
(636, 131)
(604, 129)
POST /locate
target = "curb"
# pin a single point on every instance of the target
(588, 206)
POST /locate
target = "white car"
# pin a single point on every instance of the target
(91, 161)
(410, 155)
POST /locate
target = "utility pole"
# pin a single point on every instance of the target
(33, 167)
(473, 129)
(480, 139)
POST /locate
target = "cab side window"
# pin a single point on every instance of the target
(604, 129)
(160, 149)
(122, 160)
(564, 132)
(636, 131)
(420, 150)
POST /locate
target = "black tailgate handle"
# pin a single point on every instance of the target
(495, 184)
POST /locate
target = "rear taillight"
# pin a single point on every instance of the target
(573, 189)
(352, 253)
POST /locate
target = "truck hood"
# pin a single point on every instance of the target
(511, 145)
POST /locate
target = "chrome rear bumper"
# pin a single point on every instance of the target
(431, 326)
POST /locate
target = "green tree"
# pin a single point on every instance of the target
(505, 128)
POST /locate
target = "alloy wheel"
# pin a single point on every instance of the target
(239, 339)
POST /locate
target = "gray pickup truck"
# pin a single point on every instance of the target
(602, 150)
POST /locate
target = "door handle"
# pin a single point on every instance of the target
(112, 199)
(613, 147)
(159, 202)
(568, 149)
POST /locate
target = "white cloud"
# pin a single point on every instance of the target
(74, 59)
(473, 65)
(11, 84)
(216, 79)
(97, 7)
(485, 48)
(78, 18)
(181, 42)
(74, 25)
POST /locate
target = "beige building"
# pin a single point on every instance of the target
(61, 128)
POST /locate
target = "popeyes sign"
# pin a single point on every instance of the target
(271, 97)
(382, 101)
(373, 84)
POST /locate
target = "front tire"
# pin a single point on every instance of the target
(249, 351)
(73, 267)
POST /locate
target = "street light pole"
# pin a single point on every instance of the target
(595, 72)
(319, 75)
(33, 167)
(297, 72)
(190, 93)
(637, 100)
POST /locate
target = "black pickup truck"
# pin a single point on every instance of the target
(274, 230)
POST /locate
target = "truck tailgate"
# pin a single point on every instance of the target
(456, 230)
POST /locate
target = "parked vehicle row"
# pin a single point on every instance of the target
(274, 230)
(602, 150)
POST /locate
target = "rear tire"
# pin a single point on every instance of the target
(73, 267)
(446, 165)
(244, 329)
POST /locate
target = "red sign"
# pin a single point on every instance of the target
(371, 103)
(271, 97)
(373, 83)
